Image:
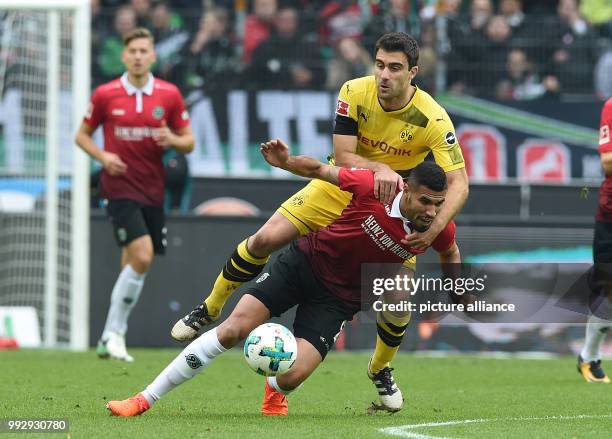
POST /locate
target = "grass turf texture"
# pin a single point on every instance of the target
(224, 400)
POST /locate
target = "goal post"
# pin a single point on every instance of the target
(44, 241)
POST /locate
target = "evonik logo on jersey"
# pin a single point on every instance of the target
(383, 146)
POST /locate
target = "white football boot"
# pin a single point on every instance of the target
(115, 347)
(390, 396)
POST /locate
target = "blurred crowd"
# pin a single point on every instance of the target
(504, 49)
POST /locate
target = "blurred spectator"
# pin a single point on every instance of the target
(512, 11)
(109, 57)
(257, 26)
(480, 13)
(341, 18)
(169, 41)
(466, 34)
(428, 58)
(143, 12)
(393, 16)
(495, 51)
(285, 60)
(522, 81)
(603, 76)
(350, 61)
(211, 60)
(575, 50)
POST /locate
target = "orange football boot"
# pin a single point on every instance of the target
(274, 403)
(134, 406)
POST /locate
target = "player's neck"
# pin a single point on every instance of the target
(138, 81)
(399, 102)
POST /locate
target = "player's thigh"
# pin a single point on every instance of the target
(600, 280)
(276, 233)
(320, 317)
(127, 219)
(315, 206)
(155, 220)
(277, 287)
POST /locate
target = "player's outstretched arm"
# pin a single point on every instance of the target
(276, 153)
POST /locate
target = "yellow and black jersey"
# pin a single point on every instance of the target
(402, 138)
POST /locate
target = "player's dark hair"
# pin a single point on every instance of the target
(136, 34)
(429, 174)
(400, 42)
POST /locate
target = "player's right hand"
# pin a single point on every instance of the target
(113, 164)
(386, 183)
(275, 152)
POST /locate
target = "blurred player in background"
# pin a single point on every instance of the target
(600, 321)
(142, 117)
(321, 274)
(383, 123)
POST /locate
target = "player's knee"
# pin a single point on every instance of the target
(232, 330)
(141, 260)
(263, 243)
(228, 335)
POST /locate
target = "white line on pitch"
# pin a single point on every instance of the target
(404, 430)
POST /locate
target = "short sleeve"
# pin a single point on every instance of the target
(357, 181)
(179, 116)
(346, 105)
(446, 238)
(444, 145)
(94, 115)
(605, 144)
(345, 122)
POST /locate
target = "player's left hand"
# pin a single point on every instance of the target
(163, 136)
(420, 240)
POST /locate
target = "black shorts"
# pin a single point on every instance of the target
(602, 243)
(600, 274)
(132, 220)
(320, 315)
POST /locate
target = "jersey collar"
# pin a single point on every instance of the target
(396, 212)
(131, 90)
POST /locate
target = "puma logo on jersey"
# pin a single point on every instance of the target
(365, 118)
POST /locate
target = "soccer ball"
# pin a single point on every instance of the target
(270, 349)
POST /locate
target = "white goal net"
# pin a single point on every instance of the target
(44, 87)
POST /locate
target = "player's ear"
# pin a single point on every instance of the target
(413, 71)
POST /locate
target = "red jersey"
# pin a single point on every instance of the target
(604, 212)
(368, 231)
(130, 117)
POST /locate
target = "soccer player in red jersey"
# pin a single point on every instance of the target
(600, 321)
(142, 116)
(320, 273)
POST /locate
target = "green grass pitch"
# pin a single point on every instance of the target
(476, 397)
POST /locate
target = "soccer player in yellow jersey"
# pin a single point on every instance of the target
(383, 123)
